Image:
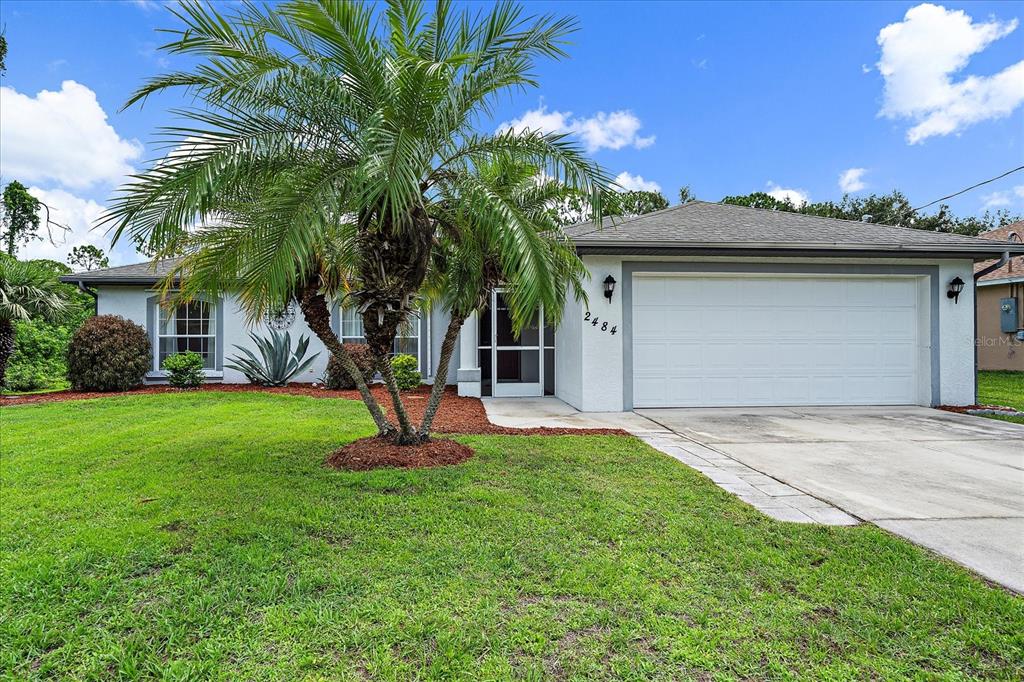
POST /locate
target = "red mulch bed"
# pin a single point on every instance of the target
(964, 409)
(374, 453)
(457, 414)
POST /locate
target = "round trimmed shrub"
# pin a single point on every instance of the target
(108, 353)
(407, 374)
(337, 379)
(185, 370)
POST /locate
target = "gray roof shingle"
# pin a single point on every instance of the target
(701, 224)
(138, 273)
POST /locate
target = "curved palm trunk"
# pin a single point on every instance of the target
(406, 432)
(451, 337)
(6, 347)
(318, 319)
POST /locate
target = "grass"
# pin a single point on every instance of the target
(197, 536)
(1002, 388)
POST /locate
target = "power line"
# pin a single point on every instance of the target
(956, 194)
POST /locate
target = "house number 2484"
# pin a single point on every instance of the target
(594, 321)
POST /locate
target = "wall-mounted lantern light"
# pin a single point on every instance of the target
(609, 287)
(955, 287)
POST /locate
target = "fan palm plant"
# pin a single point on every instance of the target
(335, 127)
(27, 291)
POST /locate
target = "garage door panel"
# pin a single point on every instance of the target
(650, 356)
(808, 340)
(827, 389)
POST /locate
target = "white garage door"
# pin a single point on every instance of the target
(718, 341)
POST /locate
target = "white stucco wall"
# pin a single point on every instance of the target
(956, 336)
(568, 354)
(438, 327)
(601, 351)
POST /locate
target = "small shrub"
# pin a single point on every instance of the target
(21, 378)
(185, 370)
(407, 374)
(337, 379)
(108, 353)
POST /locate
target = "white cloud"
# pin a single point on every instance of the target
(919, 56)
(996, 200)
(1002, 198)
(798, 197)
(636, 182)
(601, 131)
(81, 215)
(62, 137)
(852, 180)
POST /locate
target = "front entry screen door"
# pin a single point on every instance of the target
(513, 366)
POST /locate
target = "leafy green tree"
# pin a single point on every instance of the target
(574, 206)
(686, 195)
(88, 257)
(28, 291)
(889, 209)
(19, 223)
(761, 200)
(634, 203)
(323, 137)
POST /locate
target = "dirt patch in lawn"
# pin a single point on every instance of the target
(457, 414)
(377, 453)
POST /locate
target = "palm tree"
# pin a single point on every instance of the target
(523, 249)
(27, 291)
(334, 123)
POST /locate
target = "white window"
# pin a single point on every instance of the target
(187, 327)
(407, 341)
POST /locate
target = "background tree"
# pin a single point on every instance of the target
(686, 195)
(634, 203)
(3, 54)
(331, 128)
(27, 291)
(889, 209)
(88, 257)
(19, 223)
(573, 206)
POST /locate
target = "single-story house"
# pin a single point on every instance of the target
(700, 304)
(1001, 305)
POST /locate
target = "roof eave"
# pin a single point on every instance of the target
(75, 279)
(974, 252)
(1000, 280)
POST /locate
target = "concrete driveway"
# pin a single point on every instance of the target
(953, 483)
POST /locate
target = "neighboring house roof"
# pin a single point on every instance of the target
(1013, 271)
(703, 228)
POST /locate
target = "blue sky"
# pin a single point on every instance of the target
(728, 98)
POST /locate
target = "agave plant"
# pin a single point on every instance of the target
(277, 364)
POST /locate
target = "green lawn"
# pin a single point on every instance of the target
(1002, 388)
(196, 536)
